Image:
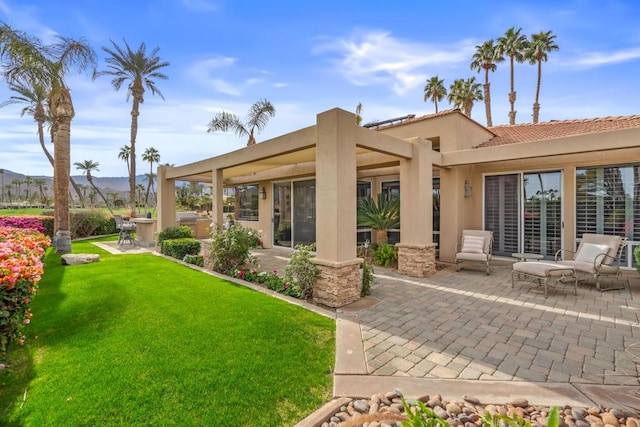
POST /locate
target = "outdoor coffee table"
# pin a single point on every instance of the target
(543, 271)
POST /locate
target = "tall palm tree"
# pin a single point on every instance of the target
(486, 58)
(149, 177)
(40, 183)
(359, 114)
(139, 193)
(514, 45)
(125, 154)
(8, 188)
(140, 71)
(435, 91)
(257, 118)
(28, 181)
(152, 156)
(2, 172)
(541, 44)
(87, 167)
(34, 95)
(24, 58)
(17, 183)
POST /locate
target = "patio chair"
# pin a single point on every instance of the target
(475, 246)
(125, 229)
(598, 255)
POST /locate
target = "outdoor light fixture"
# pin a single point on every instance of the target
(467, 189)
(263, 194)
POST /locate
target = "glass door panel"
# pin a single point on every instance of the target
(501, 212)
(282, 214)
(304, 212)
(542, 221)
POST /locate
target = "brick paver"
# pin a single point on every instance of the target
(468, 325)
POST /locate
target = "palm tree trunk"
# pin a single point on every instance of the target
(512, 98)
(382, 236)
(63, 114)
(536, 106)
(487, 98)
(106, 202)
(135, 112)
(435, 101)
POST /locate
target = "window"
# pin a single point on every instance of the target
(363, 190)
(608, 202)
(247, 202)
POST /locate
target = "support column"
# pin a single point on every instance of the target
(166, 200)
(416, 250)
(569, 207)
(217, 199)
(339, 282)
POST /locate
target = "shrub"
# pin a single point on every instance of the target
(384, 254)
(181, 232)
(367, 279)
(230, 248)
(32, 222)
(85, 223)
(269, 280)
(301, 272)
(636, 255)
(194, 259)
(21, 253)
(179, 248)
(47, 223)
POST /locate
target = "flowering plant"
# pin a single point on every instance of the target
(21, 252)
(269, 280)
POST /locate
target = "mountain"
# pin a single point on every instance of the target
(119, 184)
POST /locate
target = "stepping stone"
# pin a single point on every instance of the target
(75, 259)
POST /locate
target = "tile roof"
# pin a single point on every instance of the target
(510, 134)
(418, 119)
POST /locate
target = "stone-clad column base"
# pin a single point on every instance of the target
(338, 283)
(416, 260)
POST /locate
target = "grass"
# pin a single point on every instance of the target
(140, 340)
(21, 211)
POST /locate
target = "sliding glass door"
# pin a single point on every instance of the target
(524, 211)
(294, 213)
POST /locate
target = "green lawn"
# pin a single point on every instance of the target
(140, 340)
(21, 211)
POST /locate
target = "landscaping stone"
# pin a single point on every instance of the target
(75, 259)
(385, 410)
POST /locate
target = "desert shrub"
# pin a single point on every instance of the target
(194, 259)
(47, 223)
(107, 226)
(169, 233)
(85, 223)
(179, 248)
(230, 248)
(367, 279)
(301, 272)
(21, 252)
(384, 254)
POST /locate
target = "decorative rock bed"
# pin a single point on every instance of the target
(385, 410)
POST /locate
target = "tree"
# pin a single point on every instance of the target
(34, 95)
(359, 114)
(87, 167)
(257, 118)
(41, 184)
(152, 156)
(140, 71)
(125, 154)
(28, 181)
(8, 188)
(486, 58)
(514, 45)
(2, 172)
(541, 44)
(435, 91)
(381, 216)
(139, 193)
(17, 183)
(25, 57)
(463, 93)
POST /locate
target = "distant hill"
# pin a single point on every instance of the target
(119, 184)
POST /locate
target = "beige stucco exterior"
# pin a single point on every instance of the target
(336, 153)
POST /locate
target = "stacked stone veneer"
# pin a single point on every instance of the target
(416, 260)
(338, 283)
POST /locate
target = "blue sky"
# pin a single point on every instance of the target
(308, 57)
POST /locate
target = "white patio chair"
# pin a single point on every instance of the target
(475, 246)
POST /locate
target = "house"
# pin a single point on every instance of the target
(538, 187)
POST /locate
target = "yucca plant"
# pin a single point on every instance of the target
(381, 216)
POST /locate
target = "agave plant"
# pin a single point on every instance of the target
(381, 216)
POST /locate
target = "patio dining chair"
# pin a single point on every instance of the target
(125, 230)
(597, 256)
(475, 246)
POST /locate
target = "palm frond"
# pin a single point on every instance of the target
(225, 122)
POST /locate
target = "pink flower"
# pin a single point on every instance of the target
(275, 271)
(2, 366)
(26, 321)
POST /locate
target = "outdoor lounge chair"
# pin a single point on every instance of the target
(598, 255)
(475, 246)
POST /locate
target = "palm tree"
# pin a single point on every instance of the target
(139, 192)
(87, 167)
(486, 58)
(139, 70)
(359, 114)
(26, 58)
(152, 156)
(34, 95)
(2, 172)
(125, 154)
(41, 184)
(541, 44)
(463, 93)
(8, 188)
(17, 183)
(28, 181)
(381, 216)
(435, 91)
(514, 45)
(257, 118)
(149, 177)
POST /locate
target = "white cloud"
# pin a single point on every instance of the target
(377, 57)
(203, 72)
(596, 59)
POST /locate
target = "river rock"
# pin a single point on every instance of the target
(76, 259)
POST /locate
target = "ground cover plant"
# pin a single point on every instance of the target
(141, 340)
